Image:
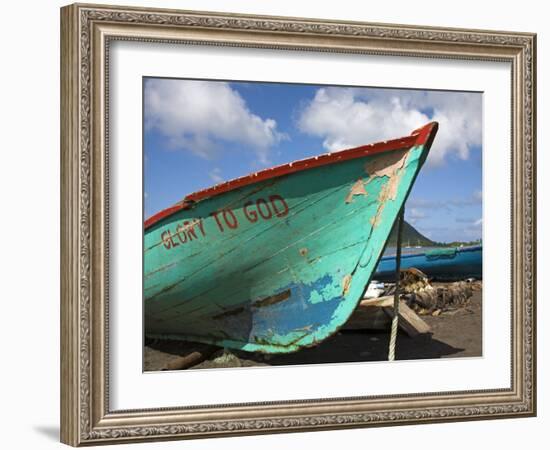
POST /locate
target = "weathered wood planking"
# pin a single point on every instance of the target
(279, 264)
(409, 321)
(376, 314)
(370, 315)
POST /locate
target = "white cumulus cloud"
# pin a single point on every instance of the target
(348, 117)
(196, 115)
(216, 175)
(413, 215)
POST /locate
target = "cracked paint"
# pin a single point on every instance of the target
(389, 166)
(346, 283)
(272, 299)
(386, 165)
(358, 188)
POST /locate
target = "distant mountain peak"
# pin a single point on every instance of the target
(410, 237)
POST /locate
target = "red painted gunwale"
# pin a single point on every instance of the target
(417, 137)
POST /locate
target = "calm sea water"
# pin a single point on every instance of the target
(391, 251)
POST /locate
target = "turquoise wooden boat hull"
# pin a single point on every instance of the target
(440, 264)
(278, 260)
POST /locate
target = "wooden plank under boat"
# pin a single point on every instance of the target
(279, 259)
(445, 264)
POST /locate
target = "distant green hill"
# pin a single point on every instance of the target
(411, 236)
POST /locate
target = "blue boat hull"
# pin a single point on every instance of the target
(457, 264)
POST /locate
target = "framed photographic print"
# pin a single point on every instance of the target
(276, 224)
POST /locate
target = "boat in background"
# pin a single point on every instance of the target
(277, 260)
(444, 264)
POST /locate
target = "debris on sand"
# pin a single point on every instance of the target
(226, 359)
(433, 299)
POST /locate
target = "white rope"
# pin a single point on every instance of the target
(395, 320)
(393, 337)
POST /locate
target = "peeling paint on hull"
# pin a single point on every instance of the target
(279, 264)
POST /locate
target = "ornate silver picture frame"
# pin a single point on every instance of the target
(87, 33)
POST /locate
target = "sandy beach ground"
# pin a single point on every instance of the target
(455, 333)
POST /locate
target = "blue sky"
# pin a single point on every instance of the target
(198, 133)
